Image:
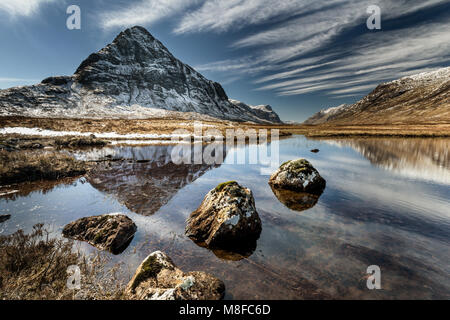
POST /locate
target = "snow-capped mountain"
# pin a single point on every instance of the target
(324, 115)
(263, 112)
(420, 98)
(135, 77)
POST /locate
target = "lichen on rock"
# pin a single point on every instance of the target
(157, 278)
(226, 219)
(298, 175)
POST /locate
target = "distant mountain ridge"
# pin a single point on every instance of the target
(133, 77)
(263, 111)
(421, 98)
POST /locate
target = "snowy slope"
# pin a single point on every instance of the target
(420, 98)
(133, 77)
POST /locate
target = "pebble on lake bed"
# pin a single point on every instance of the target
(4, 217)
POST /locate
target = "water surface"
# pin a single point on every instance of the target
(387, 203)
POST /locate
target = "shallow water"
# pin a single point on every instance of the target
(387, 203)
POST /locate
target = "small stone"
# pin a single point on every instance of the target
(112, 232)
(4, 217)
(157, 278)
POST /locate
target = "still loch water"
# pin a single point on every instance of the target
(387, 203)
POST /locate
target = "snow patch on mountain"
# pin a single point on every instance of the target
(133, 77)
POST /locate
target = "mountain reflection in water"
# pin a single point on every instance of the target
(387, 203)
(427, 159)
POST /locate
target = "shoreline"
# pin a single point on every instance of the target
(164, 129)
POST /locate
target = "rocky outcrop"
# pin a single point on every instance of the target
(4, 217)
(133, 77)
(112, 232)
(157, 278)
(421, 98)
(298, 175)
(226, 219)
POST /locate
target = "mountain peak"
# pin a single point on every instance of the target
(136, 33)
(134, 72)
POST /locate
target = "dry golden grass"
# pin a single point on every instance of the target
(34, 267)
(167, 126)
(23, 166)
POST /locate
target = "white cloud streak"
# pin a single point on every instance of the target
(369, 59)
(145, 12)
(16, 8)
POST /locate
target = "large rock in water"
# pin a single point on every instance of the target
(227, 218)
(157, 278)
(133, 77)
(298, 175)
(112, 232)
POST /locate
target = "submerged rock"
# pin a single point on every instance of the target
(298, 175)
(227, 218)
(157, 278)
(112, 232)
(4, 217)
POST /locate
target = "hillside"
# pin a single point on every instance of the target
(419, 99)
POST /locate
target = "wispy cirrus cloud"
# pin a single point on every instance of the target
(281, 50)
(145, 12)
(21, 7)
(294, 45)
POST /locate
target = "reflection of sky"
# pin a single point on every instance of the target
(366, 216)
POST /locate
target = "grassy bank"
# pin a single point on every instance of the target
(168, 126)
(25, 166)
(34, 267)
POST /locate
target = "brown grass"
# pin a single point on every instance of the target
(167, 126)
(34, 267)
(24, 166)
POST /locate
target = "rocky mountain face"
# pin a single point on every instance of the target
(263, 112)
(135, 77)
(419, 99)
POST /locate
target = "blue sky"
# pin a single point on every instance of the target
(300, 56)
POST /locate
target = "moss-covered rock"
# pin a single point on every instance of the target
(226, 219)
(112, 232)
(157, 278)
(298, 175)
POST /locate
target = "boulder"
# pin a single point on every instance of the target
(298, 175)
(112, 232)
(226, 219)
(157, 278)
(4, 217)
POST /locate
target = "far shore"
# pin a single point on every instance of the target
(163, 129)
